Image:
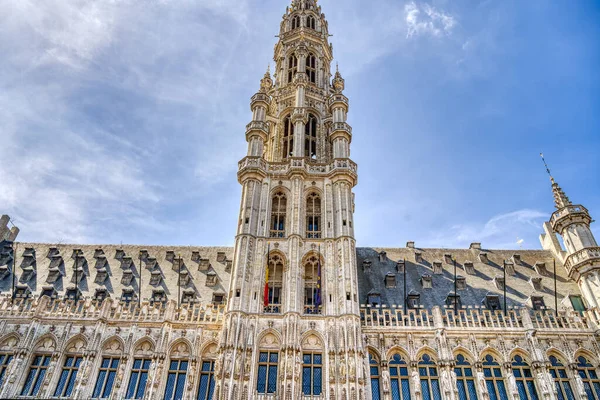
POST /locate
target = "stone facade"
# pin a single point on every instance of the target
(294, 310)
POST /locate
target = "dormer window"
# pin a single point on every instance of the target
(53, 251)
(28, 273)
(212, 279)
(204, 264)
(98, 253)
(400, 265)
(426, 281)
(127, 278)
(461, 283)
(492, 302)
(418, 257)
(516, 259)
(54, 274)
(158, 296)
(390, 281)
(188, 296)
(469, 268)
(228, 265)
(49, 291)
(499, 282)
(311, 22)
(155, 278)
(119, 254)
(22, 292)
(101, 295)
(127, 295)
(540, 268)
(577, 303)
(366, 265)
(510, 268)
(374, 299)
(295, 22)
(483, 257)
(78, 275)
(221, 256)
(537, 303)
(4, 271)
(100, 262)
(151, 262)
(184, 278)
(448, 258)
(195, 256)
(101, 276)
(29, 252)
(126, 262)
(170, 256)
(453, 300)
(218, 298)
(536, 283)
(437, 267)
(413, 300)
(73, 293)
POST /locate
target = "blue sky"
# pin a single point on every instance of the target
(123, 120)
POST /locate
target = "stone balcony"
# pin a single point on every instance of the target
(577, 262)
(257, 126)
(297, 165)
(260, 97)
(342, 126)
(337, 98)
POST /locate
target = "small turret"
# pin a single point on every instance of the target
(339, 84)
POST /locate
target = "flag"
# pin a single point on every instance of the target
(318, 294)
(266, 295)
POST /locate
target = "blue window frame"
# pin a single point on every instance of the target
(106, 378)
(312, 374)
(176, 380)
(430, 385)
(138, 378)
(66, 382)
(494, 379)
(588, 374)
(207, 381)
(399, 378)
(5, 359)
(375, 377)
(524, 379)
(561, 379)
(36, 375)
(465, 380)
(267, 372)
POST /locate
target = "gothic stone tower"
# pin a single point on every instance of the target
(296, 220)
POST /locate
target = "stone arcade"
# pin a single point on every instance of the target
(295, 310)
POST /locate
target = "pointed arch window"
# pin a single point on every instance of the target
(207, 380)
(35, 377)
(312, 374)
(292, 67)
(5, 360)
(375, 377)
(310, 137)
(313, 216)
(106, 377)
(288, 137)
(268, 362)
(561, 379)
(176, 379)
(68, 375)
(311, 68)
(296, 22)
(399, 378)
(428, 373)
(524, 379)
(312, 290)
(589, 376)
(311, 22)
(494, 379)
(274, 284)
(278, 214)
(465, 380)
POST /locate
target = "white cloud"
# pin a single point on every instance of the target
(426, 19)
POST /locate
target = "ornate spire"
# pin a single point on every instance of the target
(303, 4)
(560, 198)
(266, 83)
(338, 81)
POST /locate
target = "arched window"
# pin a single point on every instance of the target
(71, 365)
(312, 289)
(288, 137)
(588, 374)
(207, 380)
(112, 352)
(311, 68)
(524, 379)
(36, 374)
(311, 22)
(375, 378)
(178, 366)
(278, 213)
(430, 386)
(465, 379)
(5, 359)
(274, 284)
(296, 22)
(267, 372)
(139, 370)
(292, 67)
(399, 378)
(312, 374)
(494, 379)
(313, 216)
(310, 137)
(561, 379)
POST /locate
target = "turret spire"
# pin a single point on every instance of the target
(560, 198)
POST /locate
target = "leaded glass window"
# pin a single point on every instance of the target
(5, 359)
(524, 379)
(292, 66)
(106, 378)
(311, 286)
(399, 378)
(465, 379)
(36, 375)
(311, 22)
(375, 378)
(267, 372)
(428, 374)
(313, 216)
(310, 137)
(275, 283)
(296, 22)
(207, 381)
(278, 213)
(494, 379)
(176, 380)
(561, 380)
(288, 138)
(311, 68)
(312, 374)
(588, 374)
(138, 378)
(68, 375)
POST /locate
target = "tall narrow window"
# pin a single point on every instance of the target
(313, 216)
(138, 378)
(588, 374)
(524, 378)
(267, 372)
(296, 22)
(310, 137)
(311, 22)
(311, 286)
(36, 375)
(288, 138)
(292, 67)
(375, 378)
(399, 378)
(68, 376)
(278, 213)
(312, 374)
(176, 380)
(207, 381)
(494, 380)
(430, 386)
(5, 359)
(106, 378)
(274, 284)
(311, 68)
(465, 380)
(561, 379)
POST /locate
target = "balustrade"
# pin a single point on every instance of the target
(582, 256)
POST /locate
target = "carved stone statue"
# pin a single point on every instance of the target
(385, 379)
(446, 386)
(580, 386)
(512, 385)
(542, 379)
(416, 381)
(482, 384)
